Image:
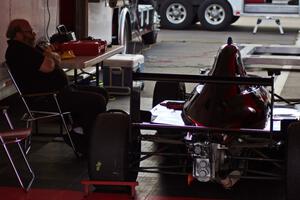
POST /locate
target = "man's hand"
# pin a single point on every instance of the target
(51, 59)
(49, 52)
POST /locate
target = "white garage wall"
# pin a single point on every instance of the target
(35, 11)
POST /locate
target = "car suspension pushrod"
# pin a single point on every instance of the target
(157, 139)
(255, 159)
(165, 154)
(163, 172)
(267, 174)
(152, 126)
(203, 79)
(162, 167)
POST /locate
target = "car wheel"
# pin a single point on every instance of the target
(168, 91)
(293, 162)
(176, 14)
(164, 90)
(109, 149)
(215, 14)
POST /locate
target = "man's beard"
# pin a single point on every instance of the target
(30, 42)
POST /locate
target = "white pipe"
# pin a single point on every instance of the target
(122, 21)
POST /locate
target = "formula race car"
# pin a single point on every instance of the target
(231, 126)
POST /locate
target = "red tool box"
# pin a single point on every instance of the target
(84, 47)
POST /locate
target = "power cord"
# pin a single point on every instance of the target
(49, 18)
(10, 10)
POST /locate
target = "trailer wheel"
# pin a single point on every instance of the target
(215, 14)
(108, 155)
(150, 38)
(176, 14)
(293, 162)
(168, 91)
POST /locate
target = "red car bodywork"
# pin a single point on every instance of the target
(227, 105)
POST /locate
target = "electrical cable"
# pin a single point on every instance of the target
(49, 18)
(10, 10)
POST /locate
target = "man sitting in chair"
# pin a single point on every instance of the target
(38, 71)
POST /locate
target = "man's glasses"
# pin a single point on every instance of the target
(28, 31)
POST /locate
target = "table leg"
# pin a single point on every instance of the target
(75, 76)
(97, 73)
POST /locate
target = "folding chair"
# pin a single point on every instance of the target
(15, 136)
(35, 115)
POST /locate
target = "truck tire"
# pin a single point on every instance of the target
(127, 37)
(176, 14)
(150, 38)
(293, 162)
(234, 19)
(215, 15)
(108, 155)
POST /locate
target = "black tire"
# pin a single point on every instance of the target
(150, 38)
(195, 20)
(108, 156)
(168, 91)
(127, 38)
(293, 162)
(234, 19)
(218, 22)
(171, 19)
(164, 90)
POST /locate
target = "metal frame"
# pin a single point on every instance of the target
(271, 55)
(285, 56)
(35, 115)
(15, 136)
